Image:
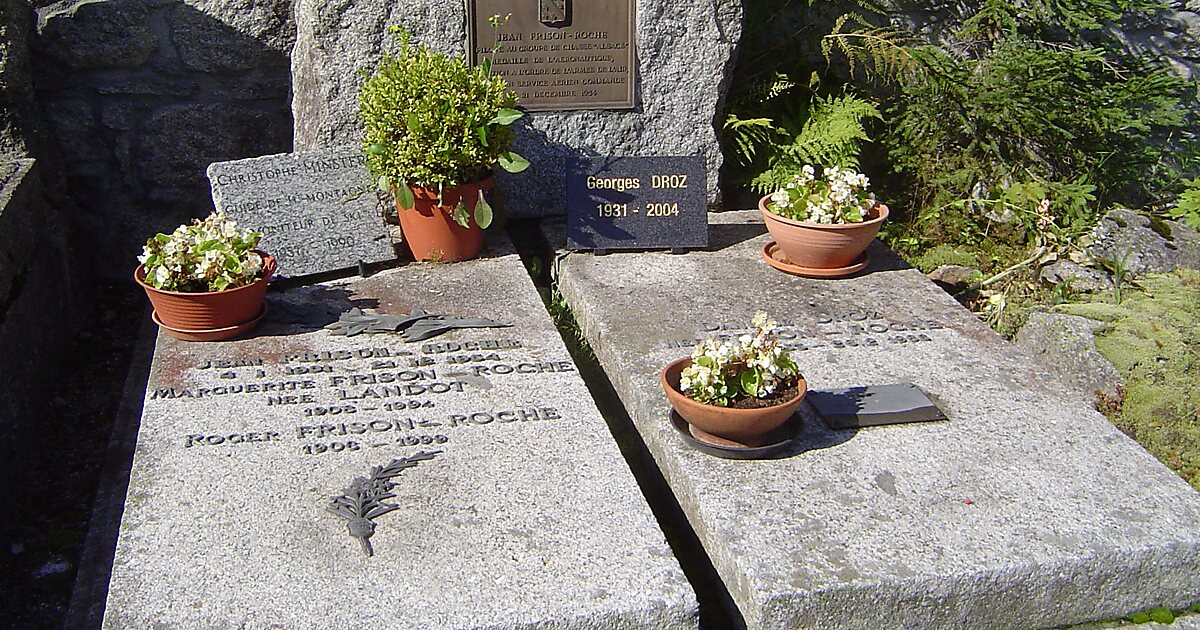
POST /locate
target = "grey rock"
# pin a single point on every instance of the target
(1076, 276)
(317, 210)
(18, 108)
(221, 35)
(1126, 239)
(42, 301)
(998, 517)
(1065, 345)
(98, 33)
(954, 276)
(529, 517)
(177, 143)
(1187, 244)
(75, 126)
(684, 51)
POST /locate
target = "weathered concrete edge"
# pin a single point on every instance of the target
(1062, 602)
(90, 592)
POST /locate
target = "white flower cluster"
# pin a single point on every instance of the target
(208, 255)
(754, 365)
(841, 198)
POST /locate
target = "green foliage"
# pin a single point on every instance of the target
(1027, 101)
(945, 254)
(781, 126)
(435, 122)
(1153, 341)
(1013, 116)
(1187, 208)
(205, 256)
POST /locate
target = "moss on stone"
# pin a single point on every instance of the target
(1153, 338)
(945, 255)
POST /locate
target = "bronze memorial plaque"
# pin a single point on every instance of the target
(557, 54)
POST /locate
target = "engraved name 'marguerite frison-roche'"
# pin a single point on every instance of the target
(228, 523)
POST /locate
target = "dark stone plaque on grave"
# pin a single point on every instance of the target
(557, 54)
(317, 211)
(636, 203)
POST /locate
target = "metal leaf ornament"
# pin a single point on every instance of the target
(416, 326)
(366, 498)
(355, 321)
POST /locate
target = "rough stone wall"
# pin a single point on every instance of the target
(141, 95)
(684, 54)
(41, 300)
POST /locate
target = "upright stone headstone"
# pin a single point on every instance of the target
(317, 210)
(1027, 508)
(684, 51)
(513, 507)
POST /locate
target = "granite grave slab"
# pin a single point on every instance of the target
(317, 210)
(503, 501)
(1026, 508)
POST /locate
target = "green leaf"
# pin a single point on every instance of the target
(404, 196)
(506, 116)
(376, 149)
(461, 216)
(512, 162)
(384, 184)
(750, 382)
(482, 133)
(483, 212)
(413, 122)
(487, 65)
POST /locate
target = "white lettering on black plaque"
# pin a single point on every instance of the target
(636, 203)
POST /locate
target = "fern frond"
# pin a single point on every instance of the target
(747, 135)
(883, 53)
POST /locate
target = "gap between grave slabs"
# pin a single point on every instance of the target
(1026, 509)
(527, 513)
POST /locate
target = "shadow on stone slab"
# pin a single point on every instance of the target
(726, 235)
(814, 434)
(305, 309)
(883, 259)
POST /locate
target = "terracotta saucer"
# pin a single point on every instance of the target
(775, 442)
(774, 257)
(214, 334)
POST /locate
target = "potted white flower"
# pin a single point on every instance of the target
(736, 390)
(822, 226)
(205, 280)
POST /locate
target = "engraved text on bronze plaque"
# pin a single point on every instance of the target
(557, 54)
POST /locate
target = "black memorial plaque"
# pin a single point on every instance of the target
(636, 203)
(557, 54)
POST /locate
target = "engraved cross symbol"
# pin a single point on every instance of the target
(555, 12)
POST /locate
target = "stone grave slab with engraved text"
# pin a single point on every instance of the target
(1026, 508)
(317, 210)
(512, 504)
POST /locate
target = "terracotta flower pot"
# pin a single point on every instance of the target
(744, 426)
(214, 315)
(822, 245)
(430, 230)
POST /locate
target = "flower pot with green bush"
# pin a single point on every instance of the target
(434, 129)
(737, 390)
(822, 225)
(205, 280)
